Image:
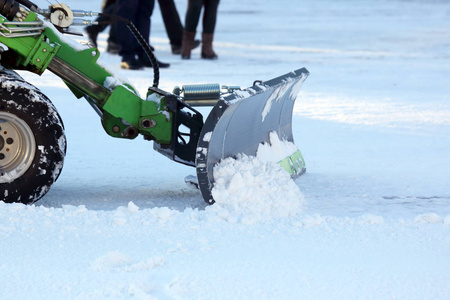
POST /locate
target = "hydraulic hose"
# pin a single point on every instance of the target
(145, 46)
(28, 4)
(9, 8)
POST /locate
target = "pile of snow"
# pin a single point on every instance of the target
(251, 189)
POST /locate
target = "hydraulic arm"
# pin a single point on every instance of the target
(124, 113)
(36, 45)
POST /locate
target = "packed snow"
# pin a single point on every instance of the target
(248, 190)
(370, 219)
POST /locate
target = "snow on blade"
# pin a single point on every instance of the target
(251, 189)
(276, 150)
(277, 94)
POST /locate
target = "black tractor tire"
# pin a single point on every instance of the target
(32, 141)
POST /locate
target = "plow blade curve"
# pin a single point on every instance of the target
(242, 121)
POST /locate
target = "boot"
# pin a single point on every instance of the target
(176, 49)
(92, 33)
(187, 44)
(207, 49)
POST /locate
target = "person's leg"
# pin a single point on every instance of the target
(143, 24)
(103, 22)
(210, 16)
(209, 25)
(193, 15)
(113, 45)
(142, 16)
(191, 21)
(172, 21)
(126, 9)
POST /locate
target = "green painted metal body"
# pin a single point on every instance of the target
(30, 50)
(124, 114)
(293, 164)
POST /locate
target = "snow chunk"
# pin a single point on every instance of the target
(81, 209)
(154, 98)
(207, 136)
(276, 150)
(118, 261)
(447, 220)
(162, 214)
(248, 190)
(430, 218)
(122, 214)
(110, 261)
(311, 221)
(111, 82)
(241, 94)
(371, 219)
(132, 208)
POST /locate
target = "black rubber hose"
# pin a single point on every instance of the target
(29, 4)
(9, 9)
(145, 46)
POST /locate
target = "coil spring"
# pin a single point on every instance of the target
(201, 91)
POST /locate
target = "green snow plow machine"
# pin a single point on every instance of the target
(32, 140)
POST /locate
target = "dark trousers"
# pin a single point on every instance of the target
(139, 13)
(172, 21)
(209, 15)
(105, 21)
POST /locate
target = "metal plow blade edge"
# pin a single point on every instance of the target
(240, 122)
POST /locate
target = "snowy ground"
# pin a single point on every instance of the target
(372, 121)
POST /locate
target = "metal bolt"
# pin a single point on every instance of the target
(130, 131)
(94, 53)
(116, 129)
(38, 60)
(44, 50)
(148, 123)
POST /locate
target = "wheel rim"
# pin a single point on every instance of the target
(17, 147)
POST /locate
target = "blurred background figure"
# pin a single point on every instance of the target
(173, 25)
(139, 12)
(108, 7)
(209, 24)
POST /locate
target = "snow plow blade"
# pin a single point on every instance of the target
(242, 121)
